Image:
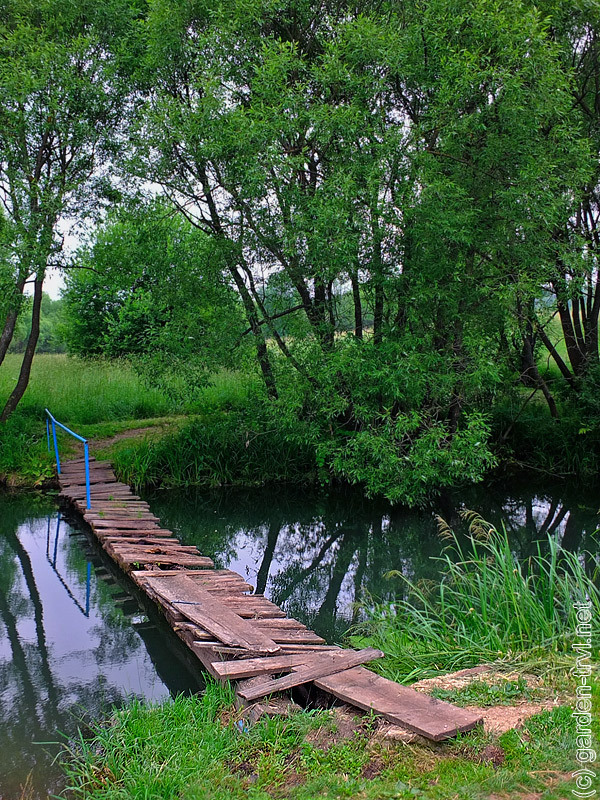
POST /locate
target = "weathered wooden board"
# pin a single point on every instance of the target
(133, 558)
(167, 545)
(131, 524)
(73, 463)
(250, 667)
(283, 636)
(107, 533)
(402, 705)
(105, 494)
(120, 515)
(96, 476)
(151, 541)
(212, 615)
(316, 666)
(115, 486)
(285, 622)
(122, 505)
(212, 580)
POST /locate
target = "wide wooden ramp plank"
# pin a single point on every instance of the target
(316, 666)
(205, 610)
(399, 704)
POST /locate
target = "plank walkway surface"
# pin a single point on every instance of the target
(237, 635)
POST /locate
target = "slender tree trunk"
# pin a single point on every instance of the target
(325, 330)
(378, 286)
(575, 355)
(532, 375)
(23, 379)
(358, 321)
(259, 340)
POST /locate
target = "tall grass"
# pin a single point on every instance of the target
(83, 392)
(487, 606)
(78, 393)
(242, 447)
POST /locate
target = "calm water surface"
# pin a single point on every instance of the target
(318, 556)
(74, 641)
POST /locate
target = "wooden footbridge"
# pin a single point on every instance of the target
(237, 635)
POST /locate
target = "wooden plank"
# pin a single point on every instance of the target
(106, 533)
(203, 577)
(158, 546)
(205, 610)
(121, 505)
(105, 494)
(283, 636)
(115, 486)
(317, 666)
(131, 558)
(285, 622)
(120, 515)
(151, 541)
(249, 667)
(402, 705)
(96, 476)
(125, 524)
(78, 462)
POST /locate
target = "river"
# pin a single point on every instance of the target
(75, 639)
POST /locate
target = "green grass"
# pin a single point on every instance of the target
(192, 749)
(98, 399)
(479, 693)
(237, 447)
(488, 606)
(82, 392)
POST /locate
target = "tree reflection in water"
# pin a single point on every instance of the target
(67, 652)
(320, 555)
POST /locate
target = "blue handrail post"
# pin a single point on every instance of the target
(87, 474)
(48, 432)
(54, 423)
(55, 446)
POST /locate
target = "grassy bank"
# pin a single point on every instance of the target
(194, 750)
(488, 606)
(228, 434)
(93, 397)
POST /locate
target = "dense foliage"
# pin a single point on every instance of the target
(387, 205)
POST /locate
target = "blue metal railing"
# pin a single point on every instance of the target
(52, 422)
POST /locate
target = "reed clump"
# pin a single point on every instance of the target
(488, 606)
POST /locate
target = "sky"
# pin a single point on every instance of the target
(54, 283)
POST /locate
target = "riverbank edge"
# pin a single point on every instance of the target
(203, 747)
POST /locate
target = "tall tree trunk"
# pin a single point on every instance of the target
(531, 374)
(576, 357)
(358, 321)
(378, 286)
(259, 340)
(34, 334)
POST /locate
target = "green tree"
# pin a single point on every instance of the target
(50, 338)
(572, 278)
(416, 157)
(60, 108)
(151, 287)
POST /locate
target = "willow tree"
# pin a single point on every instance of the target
(572, 278)
(413, 156)
(60, 107)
